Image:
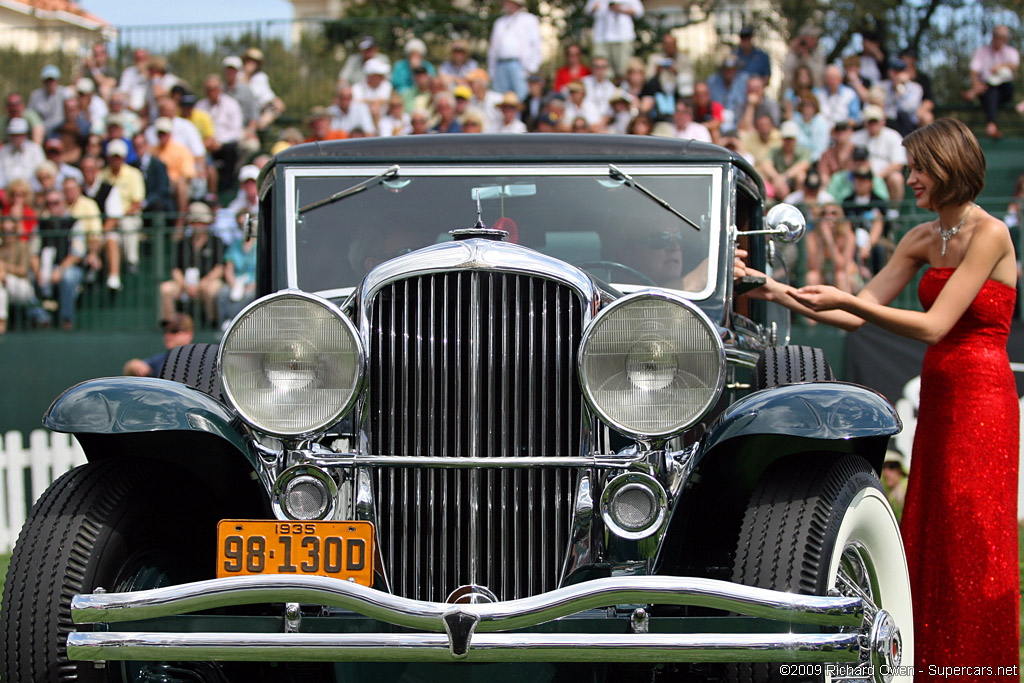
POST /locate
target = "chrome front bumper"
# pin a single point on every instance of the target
(468, 632)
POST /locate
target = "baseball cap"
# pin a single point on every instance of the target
(842, 124)
(375, 66)
(415, 45)
(897, 65)
(117, 148)
(366, 42)
(198, 212)
(860, 153)
(17, 126)
(873, 112)
(163, 125)
(177, 322)
(862, 172)
(789, 129)
(248, 172)
(318, 112)
(188, 100)
(85, 85)
(463, 92)
(549, 118)
(50, 71)
(812, 180)
(232, 62)
(746, 31)
(115, 120)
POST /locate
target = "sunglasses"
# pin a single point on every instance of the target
(664, 240)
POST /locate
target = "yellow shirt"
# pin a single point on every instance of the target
(87, 213)
(129, 183)
(203, 123)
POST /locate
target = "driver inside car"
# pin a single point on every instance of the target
(655, 256)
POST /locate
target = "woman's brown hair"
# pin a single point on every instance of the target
(948, 152)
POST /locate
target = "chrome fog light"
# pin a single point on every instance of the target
(304, 492)
(634, 505)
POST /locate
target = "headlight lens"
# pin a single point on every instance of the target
(291, 364)
(652, 364)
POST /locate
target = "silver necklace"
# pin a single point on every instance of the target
(947, 235)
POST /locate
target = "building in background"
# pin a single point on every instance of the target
(50, 26)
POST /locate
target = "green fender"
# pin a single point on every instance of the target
(139, 405)
(820, 411)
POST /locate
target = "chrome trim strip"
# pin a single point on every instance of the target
(504, 647)
(500, 462)
(499, 616)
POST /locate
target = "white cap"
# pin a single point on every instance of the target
(17, 126)
(415, 45)
(117, 148)
(375, 66)
(873, 112)
(789, 129)
(233, 62)
(85, 85)
(248, 172)
(164, 125)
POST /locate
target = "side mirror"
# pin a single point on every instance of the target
(784, 223)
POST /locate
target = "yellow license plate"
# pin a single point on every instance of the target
(341, 550)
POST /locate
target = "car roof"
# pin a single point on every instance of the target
(505, 148)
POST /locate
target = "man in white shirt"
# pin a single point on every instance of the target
(614, 34)
(92, 105)
(600, 87)
(510, 121)
(375, 90)
(348, 115)
(226, 114)
(685, 127)
(352, 71)
(885, 150)
(20, 156)
(48, 101)
(993, 68)
(135, 79)
(514, 50)
(838, 101)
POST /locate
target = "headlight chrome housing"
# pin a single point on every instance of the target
(652, 364)
(291, 364)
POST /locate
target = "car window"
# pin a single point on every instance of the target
(587, 218)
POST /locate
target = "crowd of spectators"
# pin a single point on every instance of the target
(89, 158)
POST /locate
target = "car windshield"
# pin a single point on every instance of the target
(589, 217)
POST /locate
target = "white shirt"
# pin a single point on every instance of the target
(226, 116)
(613, 27)
(259, 85)
(600, 92)
(515, 36)
(489, 108)
(587, 109)
(839, 106)
(391, 125)
(113, 207)
(183, 132)
(357, 116)
(362, 92)
(985, 60)
(516, 126)
(20, 163)
(694, 131)
(883, 149)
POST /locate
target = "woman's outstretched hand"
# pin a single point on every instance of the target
(819, 297)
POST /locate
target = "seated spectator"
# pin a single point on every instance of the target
(640, 125)
(509, 108)
(111, 208)
(473, 122)
(66, 254)
(15, 270)
(92, 107)
(839, 154)
(459, 64)
(756, 104)
(444, 104)
(623, 112)
(885, 151)
(319, 123)
(729, 138)
(135, 79)
(485, 100)
(682, 65)
(116, 131)
(837, 101)
(804, 51)
(533, 105)
(226, 114)
(993, 68)
(161, 81)
(873, 59)
(415, 56)
(832, 252)
(374, 90)
(753, 61)
(48, 100)
(803, 81)
(270, 105)
(239, 288)
(865, 209)
(66, 162)
(130, 185)
(787, 164)
(180, 165)
(352, 71)
(851, 67)
(810, 198)
(419, 122)
(45, 179)
(19, 157)
(550, 122)
(760, 141)
(633, 83)
(707, 111)
(19, 206)
(729, 88)
(573, 70)
(421, 94)
(600, 88)
(658, 97)
(813, 128)
(903, 98)
(16, 109)
(394, 121)
(178, 331)
(684, 125)
(198, 266)
(159, 195)
(926, 112)
(580, 106)
(840, 183)
(347, 114)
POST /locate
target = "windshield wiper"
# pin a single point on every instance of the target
(389, 173)
(617, 173)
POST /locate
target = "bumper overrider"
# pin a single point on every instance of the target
(489, 632)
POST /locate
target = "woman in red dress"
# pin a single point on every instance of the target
(959, 521)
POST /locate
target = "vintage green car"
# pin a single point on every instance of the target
(501, 411)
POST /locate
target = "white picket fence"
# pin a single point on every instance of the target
(25, 472)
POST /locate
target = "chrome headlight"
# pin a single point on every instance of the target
(291, 364)
(652, 364)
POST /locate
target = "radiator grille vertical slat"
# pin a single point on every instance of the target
(494, 357)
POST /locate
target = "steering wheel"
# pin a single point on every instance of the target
(612, 266)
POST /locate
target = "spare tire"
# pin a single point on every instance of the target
(194, 365)
(780, 365)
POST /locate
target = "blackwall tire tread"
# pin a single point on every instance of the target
(780, 365)
(194, 365)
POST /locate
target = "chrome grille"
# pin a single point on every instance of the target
(474, 364)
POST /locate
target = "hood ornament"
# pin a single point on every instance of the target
(479, 230)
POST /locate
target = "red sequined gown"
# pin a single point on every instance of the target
(960, 518)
